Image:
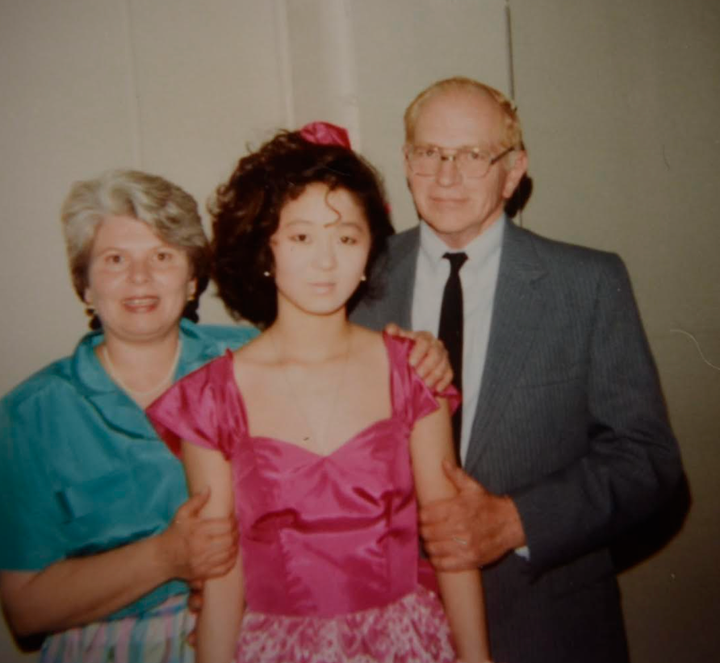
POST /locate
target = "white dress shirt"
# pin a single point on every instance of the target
(479, 277)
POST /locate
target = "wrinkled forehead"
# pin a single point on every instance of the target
(459, 118)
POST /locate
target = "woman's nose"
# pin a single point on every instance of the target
(139, 271)
(325, 253)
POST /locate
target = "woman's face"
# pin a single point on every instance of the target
(138, 284)
(320, 249)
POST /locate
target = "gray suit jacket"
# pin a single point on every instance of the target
(570, 423)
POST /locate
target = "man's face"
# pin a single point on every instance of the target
(458, 208)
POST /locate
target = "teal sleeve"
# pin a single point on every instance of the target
(30, 516)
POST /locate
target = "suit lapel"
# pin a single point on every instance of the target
(400, 269)
(517, 312)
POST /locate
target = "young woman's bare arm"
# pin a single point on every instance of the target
(74, 592)
(430, 444)
(218, 625)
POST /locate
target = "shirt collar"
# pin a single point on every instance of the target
(90, 373)
(115, 406)
(478, 250)
(87, 369)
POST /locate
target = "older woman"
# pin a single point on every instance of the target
(98, 534)
(96, 539)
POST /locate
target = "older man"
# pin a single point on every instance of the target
(563, 434)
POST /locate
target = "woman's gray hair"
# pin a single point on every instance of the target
(168, 210)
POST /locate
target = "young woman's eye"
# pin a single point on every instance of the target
(346, 239)
(300, 237)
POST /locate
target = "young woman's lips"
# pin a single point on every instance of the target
(322, 288)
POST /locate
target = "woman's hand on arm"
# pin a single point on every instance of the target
(76, 591)
(196, 547)
(428, 357)
(218, 624)
(430, 447)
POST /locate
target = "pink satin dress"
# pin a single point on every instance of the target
(329, 543)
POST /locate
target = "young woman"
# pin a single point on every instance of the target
(317, 433)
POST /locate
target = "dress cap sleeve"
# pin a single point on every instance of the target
(199, 408)
(412, 398)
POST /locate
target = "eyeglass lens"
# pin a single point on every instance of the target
(427, 161)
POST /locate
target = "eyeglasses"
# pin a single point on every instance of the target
(470, 161)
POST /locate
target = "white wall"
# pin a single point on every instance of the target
(169, 86)
(179, 88)
(619, 101)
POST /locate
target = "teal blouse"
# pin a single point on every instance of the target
(81, 468)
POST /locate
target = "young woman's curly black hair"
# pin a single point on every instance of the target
(246, 213)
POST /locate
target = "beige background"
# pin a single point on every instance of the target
(620, 103)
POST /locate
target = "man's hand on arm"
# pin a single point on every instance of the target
(473, 529)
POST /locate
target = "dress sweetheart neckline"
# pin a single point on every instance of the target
(363, 431)
(348, 442)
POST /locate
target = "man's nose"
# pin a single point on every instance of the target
(448, 172)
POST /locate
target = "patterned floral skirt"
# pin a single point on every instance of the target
(157, 636)
(412, 629)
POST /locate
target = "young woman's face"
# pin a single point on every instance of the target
(138, 283)
(320, 249)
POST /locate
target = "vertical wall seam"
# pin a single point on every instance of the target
(132, 88)
(509, 41)
(347, 79)
(285, 76)
(511, 75)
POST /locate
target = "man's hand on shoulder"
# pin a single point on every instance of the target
(428, 357)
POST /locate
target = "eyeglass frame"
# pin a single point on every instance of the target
(452, 157)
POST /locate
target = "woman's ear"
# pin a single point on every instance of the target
(191, 289)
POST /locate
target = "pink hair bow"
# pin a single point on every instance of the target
(324, 133)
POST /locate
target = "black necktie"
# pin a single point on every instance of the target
(450, 332)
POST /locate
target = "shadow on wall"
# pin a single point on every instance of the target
(654, 534)
(520, 197)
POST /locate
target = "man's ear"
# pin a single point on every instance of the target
(515, 173)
